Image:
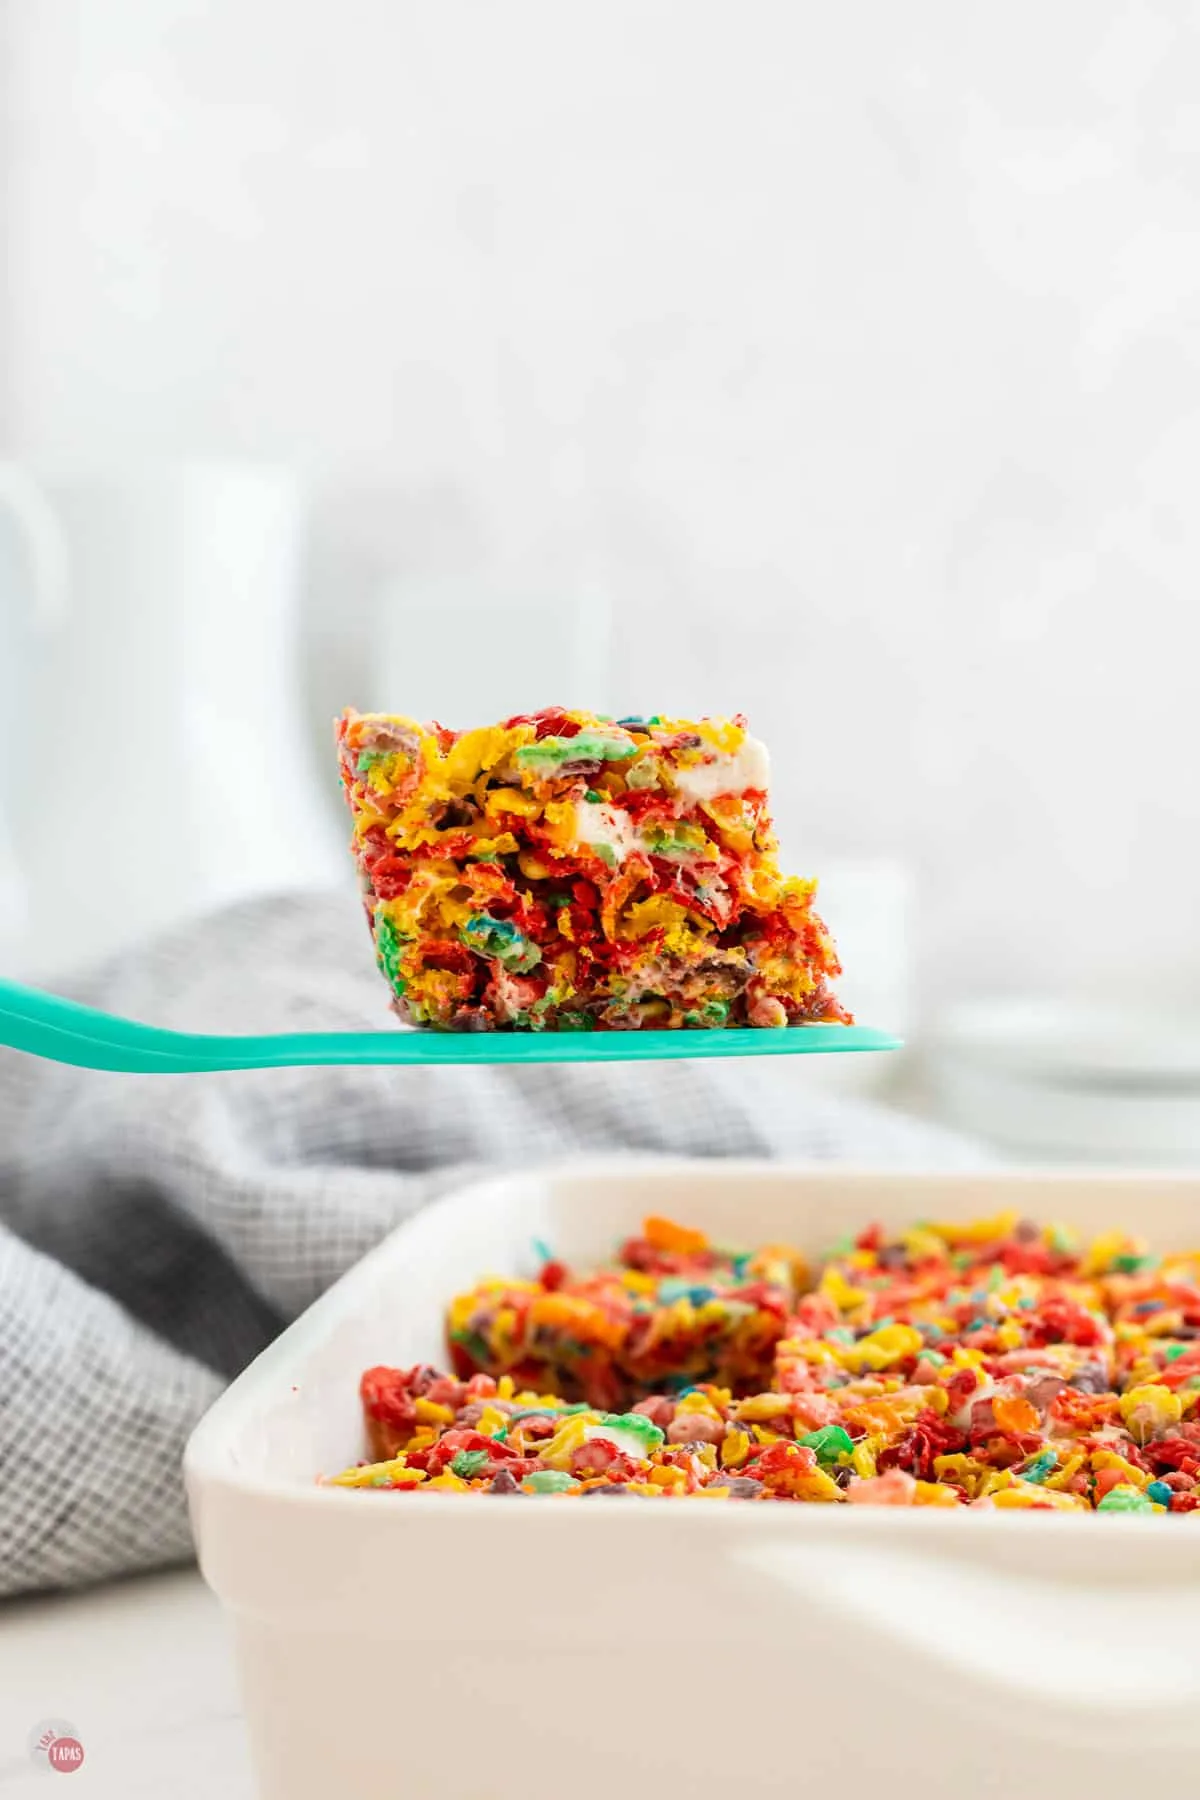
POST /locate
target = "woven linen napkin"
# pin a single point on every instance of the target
(157, 1231)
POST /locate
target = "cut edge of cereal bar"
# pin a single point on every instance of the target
(998, 1364)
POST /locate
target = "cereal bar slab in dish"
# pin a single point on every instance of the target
(993, 1363)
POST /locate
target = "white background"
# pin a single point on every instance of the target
(836, 363)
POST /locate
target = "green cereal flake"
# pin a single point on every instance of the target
(476, 1346)
(551, 753)
(831, 1443)
(467, 1464)
(389, 948)
(549, 1481)
(1125, 1499)
(548, 1412)
(636, 1425)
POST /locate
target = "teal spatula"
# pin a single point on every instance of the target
(45, 1025)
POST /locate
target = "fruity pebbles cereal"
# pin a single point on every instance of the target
(993, 1364)
(564, 871)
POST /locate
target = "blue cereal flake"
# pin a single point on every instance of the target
(1041, 1468)
(674, 1287)
(542, 1250)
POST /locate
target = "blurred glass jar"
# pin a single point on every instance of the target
(162, 766)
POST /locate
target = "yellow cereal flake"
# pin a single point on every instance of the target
(930, 1493)
(760, 1407)
(431, 1412)
(377, 1475)
(863, 1456)
(1109, 1459)
(834, 1287)
(697, 1402)
(1158, 1406)
(735, 1449)
(883, 1348)
(1028, 1493)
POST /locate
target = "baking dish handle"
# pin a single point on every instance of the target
(1102, 1639)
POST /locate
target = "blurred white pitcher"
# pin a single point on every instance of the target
(160, 764)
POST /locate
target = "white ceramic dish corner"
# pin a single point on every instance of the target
(433, 1647)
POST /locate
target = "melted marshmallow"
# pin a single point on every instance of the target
(601, 825)
(749, 767)
(631, 1443)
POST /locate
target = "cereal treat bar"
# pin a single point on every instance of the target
(999, 1364)
(672, 1311)
(564, 871)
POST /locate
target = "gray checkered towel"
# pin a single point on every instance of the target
(157, 1231)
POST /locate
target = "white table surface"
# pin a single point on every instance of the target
(144, 1671)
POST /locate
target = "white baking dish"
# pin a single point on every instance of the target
(439, 1647)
